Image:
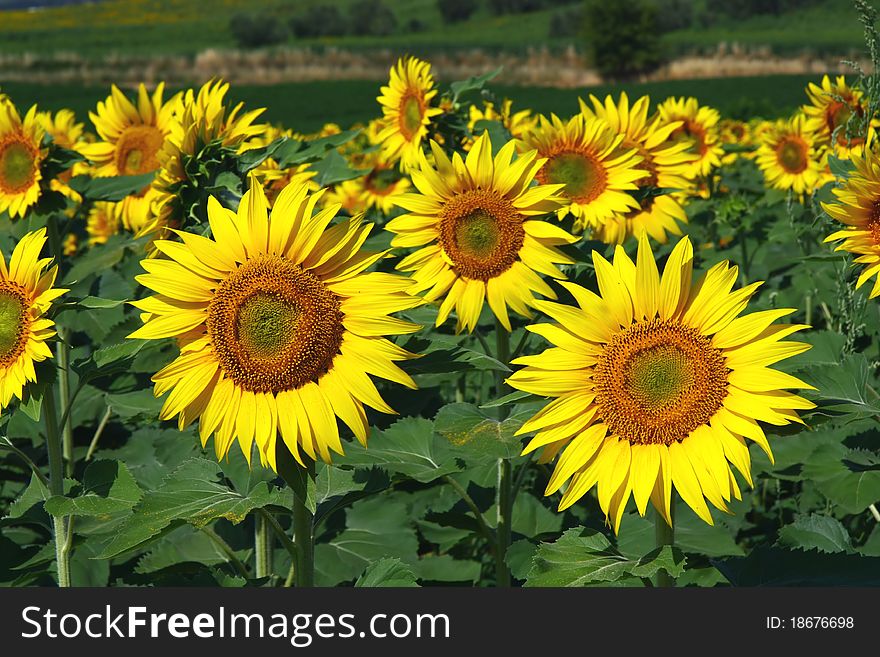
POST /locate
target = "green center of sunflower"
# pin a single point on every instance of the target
(17, 166)
(410, 115)
(584, 178)
(266, 323)
(14, 322)
(477, 233)
(274, 326)
(137, 150)
(658, 376)
(481, 233)
(792, 154)
(657, 381)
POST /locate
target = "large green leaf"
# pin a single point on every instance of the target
(191, 494)
(374, 528)
(584, 557)
(391, 572)
(818, 532)
(476, 435)
(107, 488)
(110, 189)
(849, 478)
(409, 447)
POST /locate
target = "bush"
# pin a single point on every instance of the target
(371, 17)
(256, 30)
(674, 14)
(623, 38)
(319, 21)
(455, 11)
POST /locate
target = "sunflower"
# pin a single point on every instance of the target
(668, 165)
(67, 133)
(787, 156)
(699, 128)
(270, 173)
(657, 383)
(407, 111)
(103, 222)
(859, 209)
(378, 188)
(737, 134)
(278, 326)
(585, 156)
(829, 111)
(21, 154)
(203, 118)
(26, 294)
(477, 243)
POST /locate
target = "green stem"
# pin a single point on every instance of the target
(304, 538)
(504, 500)
(56, 484)
(93, 445)
(262, 547)
(481, 521)
(62, 350)
(228, 551)
(664, 534)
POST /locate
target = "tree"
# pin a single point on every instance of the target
(318, 21)
(255, 30)
(623, 38)
(371, 17)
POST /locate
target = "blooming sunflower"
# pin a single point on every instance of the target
(471, 221)
(586, 158)
(203, 118)
(21, 154)
(103, 221)
(67, 133)
(859, 209)
(407, 111)
(788, 158)
(699, 127)
(378, 188)
(26, 294)
(830, 108)
(278, 326)
(668, 166)
(657, 382)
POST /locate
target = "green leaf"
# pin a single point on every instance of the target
(334, 168)
(666, 557)
(293, 152)
(107, 488)
(35, 493)
(839, 167)
(191, 494)
(391, 572)
(374, 528)
(110, 189)
(476, 435)
(99, 258)
(473, 83)
(580, 557)
(445, 568)
(815, 531)
(408, 447)
(116, 352)
(842, 388)
(97, 302)
(185, 544)
(767, 566)
(847, 477)
(135, 403)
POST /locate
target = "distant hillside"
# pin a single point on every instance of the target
(188, 26)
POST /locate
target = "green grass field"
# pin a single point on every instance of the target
(307, 106)
(183, 26)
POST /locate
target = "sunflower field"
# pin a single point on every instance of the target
(462, 344)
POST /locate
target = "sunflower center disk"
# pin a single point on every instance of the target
(137, 150)
(792, 155)
(410, 116)
(658, 381)
(17, 167)
(482, 233)
(273, 326)
(583, 177)
(14, 322)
